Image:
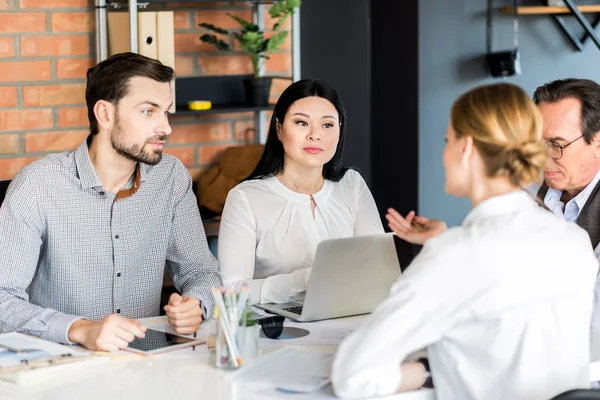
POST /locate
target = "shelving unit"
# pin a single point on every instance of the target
(537, 10)
(570, 9)
(224, 101)
(185, 86)
(220, 109)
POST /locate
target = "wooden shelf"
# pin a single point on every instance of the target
(557, 13)
(221, 109)
(183, 3)
(536, 10)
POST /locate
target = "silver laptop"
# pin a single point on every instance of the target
(350, 276)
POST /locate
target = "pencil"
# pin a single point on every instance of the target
(225, 326)
(241, 304)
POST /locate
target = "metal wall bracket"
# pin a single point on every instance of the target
(590, 30)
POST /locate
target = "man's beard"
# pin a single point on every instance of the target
(135, 152)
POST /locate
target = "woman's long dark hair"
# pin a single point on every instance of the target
(271, 162)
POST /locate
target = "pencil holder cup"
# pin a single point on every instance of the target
(236, 341)
(248, 337)
(224, 357)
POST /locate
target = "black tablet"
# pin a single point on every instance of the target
(156, 342)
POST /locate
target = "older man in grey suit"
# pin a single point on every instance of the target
(571, 112)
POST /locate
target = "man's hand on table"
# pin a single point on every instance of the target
(109, 334)
(184, 314)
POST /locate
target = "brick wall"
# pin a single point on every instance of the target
(46, 47)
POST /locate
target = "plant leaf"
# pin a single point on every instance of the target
(275, 42)
(212, 39)
(238, 36)
(283, 7)
(213, 28)
(251, 38)
(252, 42)
(247, 26)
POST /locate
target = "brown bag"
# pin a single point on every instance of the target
(236, 163)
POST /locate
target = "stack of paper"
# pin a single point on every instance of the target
(289, 370)
(27, 360)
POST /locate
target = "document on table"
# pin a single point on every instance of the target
(28, 360)
(317, 336)
(289, 369)
(15, 347)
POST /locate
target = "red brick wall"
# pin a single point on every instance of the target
(46, 47)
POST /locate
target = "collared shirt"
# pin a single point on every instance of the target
(501, 316)
(68, 250)
(268, 235)
(571, 210)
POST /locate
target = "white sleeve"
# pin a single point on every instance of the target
(368, 221)
(367, 363)
(237, 256)
(415, 315)
(237, 243)
(282, 288)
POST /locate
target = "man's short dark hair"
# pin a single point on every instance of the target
(586, 91)
(109, 80)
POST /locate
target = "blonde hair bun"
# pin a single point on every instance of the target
(506, 127)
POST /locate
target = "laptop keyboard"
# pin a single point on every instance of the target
(295, 310)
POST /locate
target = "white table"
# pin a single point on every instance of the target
(188, 374)
(181, 375)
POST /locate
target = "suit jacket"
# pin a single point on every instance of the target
(589, 216)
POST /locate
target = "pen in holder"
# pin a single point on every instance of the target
(237, 333)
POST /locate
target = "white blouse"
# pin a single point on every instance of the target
(268, 236)
(502, 303)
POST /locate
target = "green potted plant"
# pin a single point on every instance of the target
(252, 40)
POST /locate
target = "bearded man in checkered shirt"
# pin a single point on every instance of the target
(85, 235)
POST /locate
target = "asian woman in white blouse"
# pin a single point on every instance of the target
(503, 302)
(298, 195)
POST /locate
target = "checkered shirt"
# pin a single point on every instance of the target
(69, 251)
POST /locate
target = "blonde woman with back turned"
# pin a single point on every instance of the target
(503, 302)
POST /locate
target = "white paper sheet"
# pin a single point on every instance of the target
(316, 337)
(24, 342)
(289, 370)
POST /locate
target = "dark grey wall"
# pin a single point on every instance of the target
(335, 47)
(400, 65)
(394, 109)
(355, 45)
(451, 43)
(394, 103)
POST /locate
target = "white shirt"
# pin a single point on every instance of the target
(571, 210)
(502, 303)
(268, 236)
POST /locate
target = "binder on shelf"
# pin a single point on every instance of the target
(147, 40)
(156, 36)
(165, 43)
(119, 38)
(118, 33)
